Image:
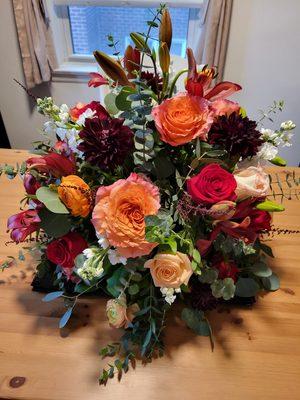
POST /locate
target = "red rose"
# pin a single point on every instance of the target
(64, 250)
(260, 220)
(211, 185)
(227, 270)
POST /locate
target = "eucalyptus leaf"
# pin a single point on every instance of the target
(65, 318)
(271, 283)
(52, 296)
(121, 101)
(133, 289)
(110, 103)
(196, 321)
(261, 269)
(51, 200)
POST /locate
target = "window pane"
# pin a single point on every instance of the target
(91, 25)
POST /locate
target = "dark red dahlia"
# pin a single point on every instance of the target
(202, 297)
(154, 82)
(106, 143)
(237, 135)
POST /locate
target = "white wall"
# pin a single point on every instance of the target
(263, 56)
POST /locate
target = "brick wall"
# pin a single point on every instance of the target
(91, 25)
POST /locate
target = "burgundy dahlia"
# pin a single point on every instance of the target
(154, 82)
(106, 143)
(237, 135)
(202, 297)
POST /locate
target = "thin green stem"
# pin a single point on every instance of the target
(177, 76)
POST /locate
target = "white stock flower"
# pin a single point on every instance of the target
(103, 242)
(169, 294)
(87, 114)
(88, 253)
(64, 113)
(115, 258)
(267, 151)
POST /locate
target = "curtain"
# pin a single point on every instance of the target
(211, 45)
(35, 40)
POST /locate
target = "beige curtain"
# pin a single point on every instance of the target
(212, 44)
(35, 41)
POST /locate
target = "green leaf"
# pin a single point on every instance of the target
(266, 249)
(113, 283)
(51, 200)
(281, 162)
(121, 101)
(261, 269)
(196, 256)
(164, 167)
(208, 275)
(110, 103)
(133, 289)
(246, 287)
(271, 283)
(216, 153)
(55, 225)
(223, 288)
(270, 206)
(196, 321)
(52, 296)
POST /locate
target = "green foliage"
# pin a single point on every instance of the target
(246, 287)
(270, 206)
(208, 275)
(110, 103)
(54, 225)
(197, 322)
(51, 200)
(12, 171)
(223, 288)
(271, 283)
(121, 101)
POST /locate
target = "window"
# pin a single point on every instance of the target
(81, 26)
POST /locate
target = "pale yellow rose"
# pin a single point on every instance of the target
(251, 182)
(118, 314)
(170, 270)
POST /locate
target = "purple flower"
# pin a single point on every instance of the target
(23, 224)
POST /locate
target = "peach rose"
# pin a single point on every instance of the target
(223, 210)
(170, 270)
(120, 211)
(251, 182)
(224, 107)
(76, 195)
(182, 118)
(118, 314)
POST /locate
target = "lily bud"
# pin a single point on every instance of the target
(165, 29)
(270, 206)
(140, 42)
(281, 162)
(223, 210)
(112, 68)
(131, 60)
(164, 58)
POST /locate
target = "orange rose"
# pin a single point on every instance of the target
(75, 194)
(170, 270)
(120, 211)
(182, 119)
(118, 314)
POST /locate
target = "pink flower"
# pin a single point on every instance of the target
(23, 224)
(30, 183)
(97, 80)
(53, 164)
(120, 211)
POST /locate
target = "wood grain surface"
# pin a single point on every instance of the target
(256, 356)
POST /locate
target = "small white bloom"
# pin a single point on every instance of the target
(268, 134)
(88, 253)
(286, 139)
(87, 114)
(64, 108)
(103, 242)
(49, 128)
(288, 125)
(115, 258)
(267, 151)
(169, 294)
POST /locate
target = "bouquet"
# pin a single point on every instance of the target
(153, 198)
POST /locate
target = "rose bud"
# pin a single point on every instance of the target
(222, 210)
(132, 60)
(112, 68)
(30, 183)
(164, 58)
(165, 29)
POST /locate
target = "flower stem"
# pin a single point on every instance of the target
(177, 76)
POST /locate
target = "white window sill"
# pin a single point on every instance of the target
(74, 71)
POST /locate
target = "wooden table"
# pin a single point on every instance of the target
(257, 352)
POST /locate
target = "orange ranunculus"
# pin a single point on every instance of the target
(182, 119)
(120, 211)
(76, 111)
(75, 194)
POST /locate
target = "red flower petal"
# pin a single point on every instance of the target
(222, 90)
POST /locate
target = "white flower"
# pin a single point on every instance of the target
(288, 125)
(49, 128)
(267, 151)
(268, 134)
(169, 294)
(88, 253)
(87, 114)
(115, 258)
(286, 139)
(103, 242)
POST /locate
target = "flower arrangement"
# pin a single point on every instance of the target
(154, 198)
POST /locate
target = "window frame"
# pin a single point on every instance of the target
(76, 67)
